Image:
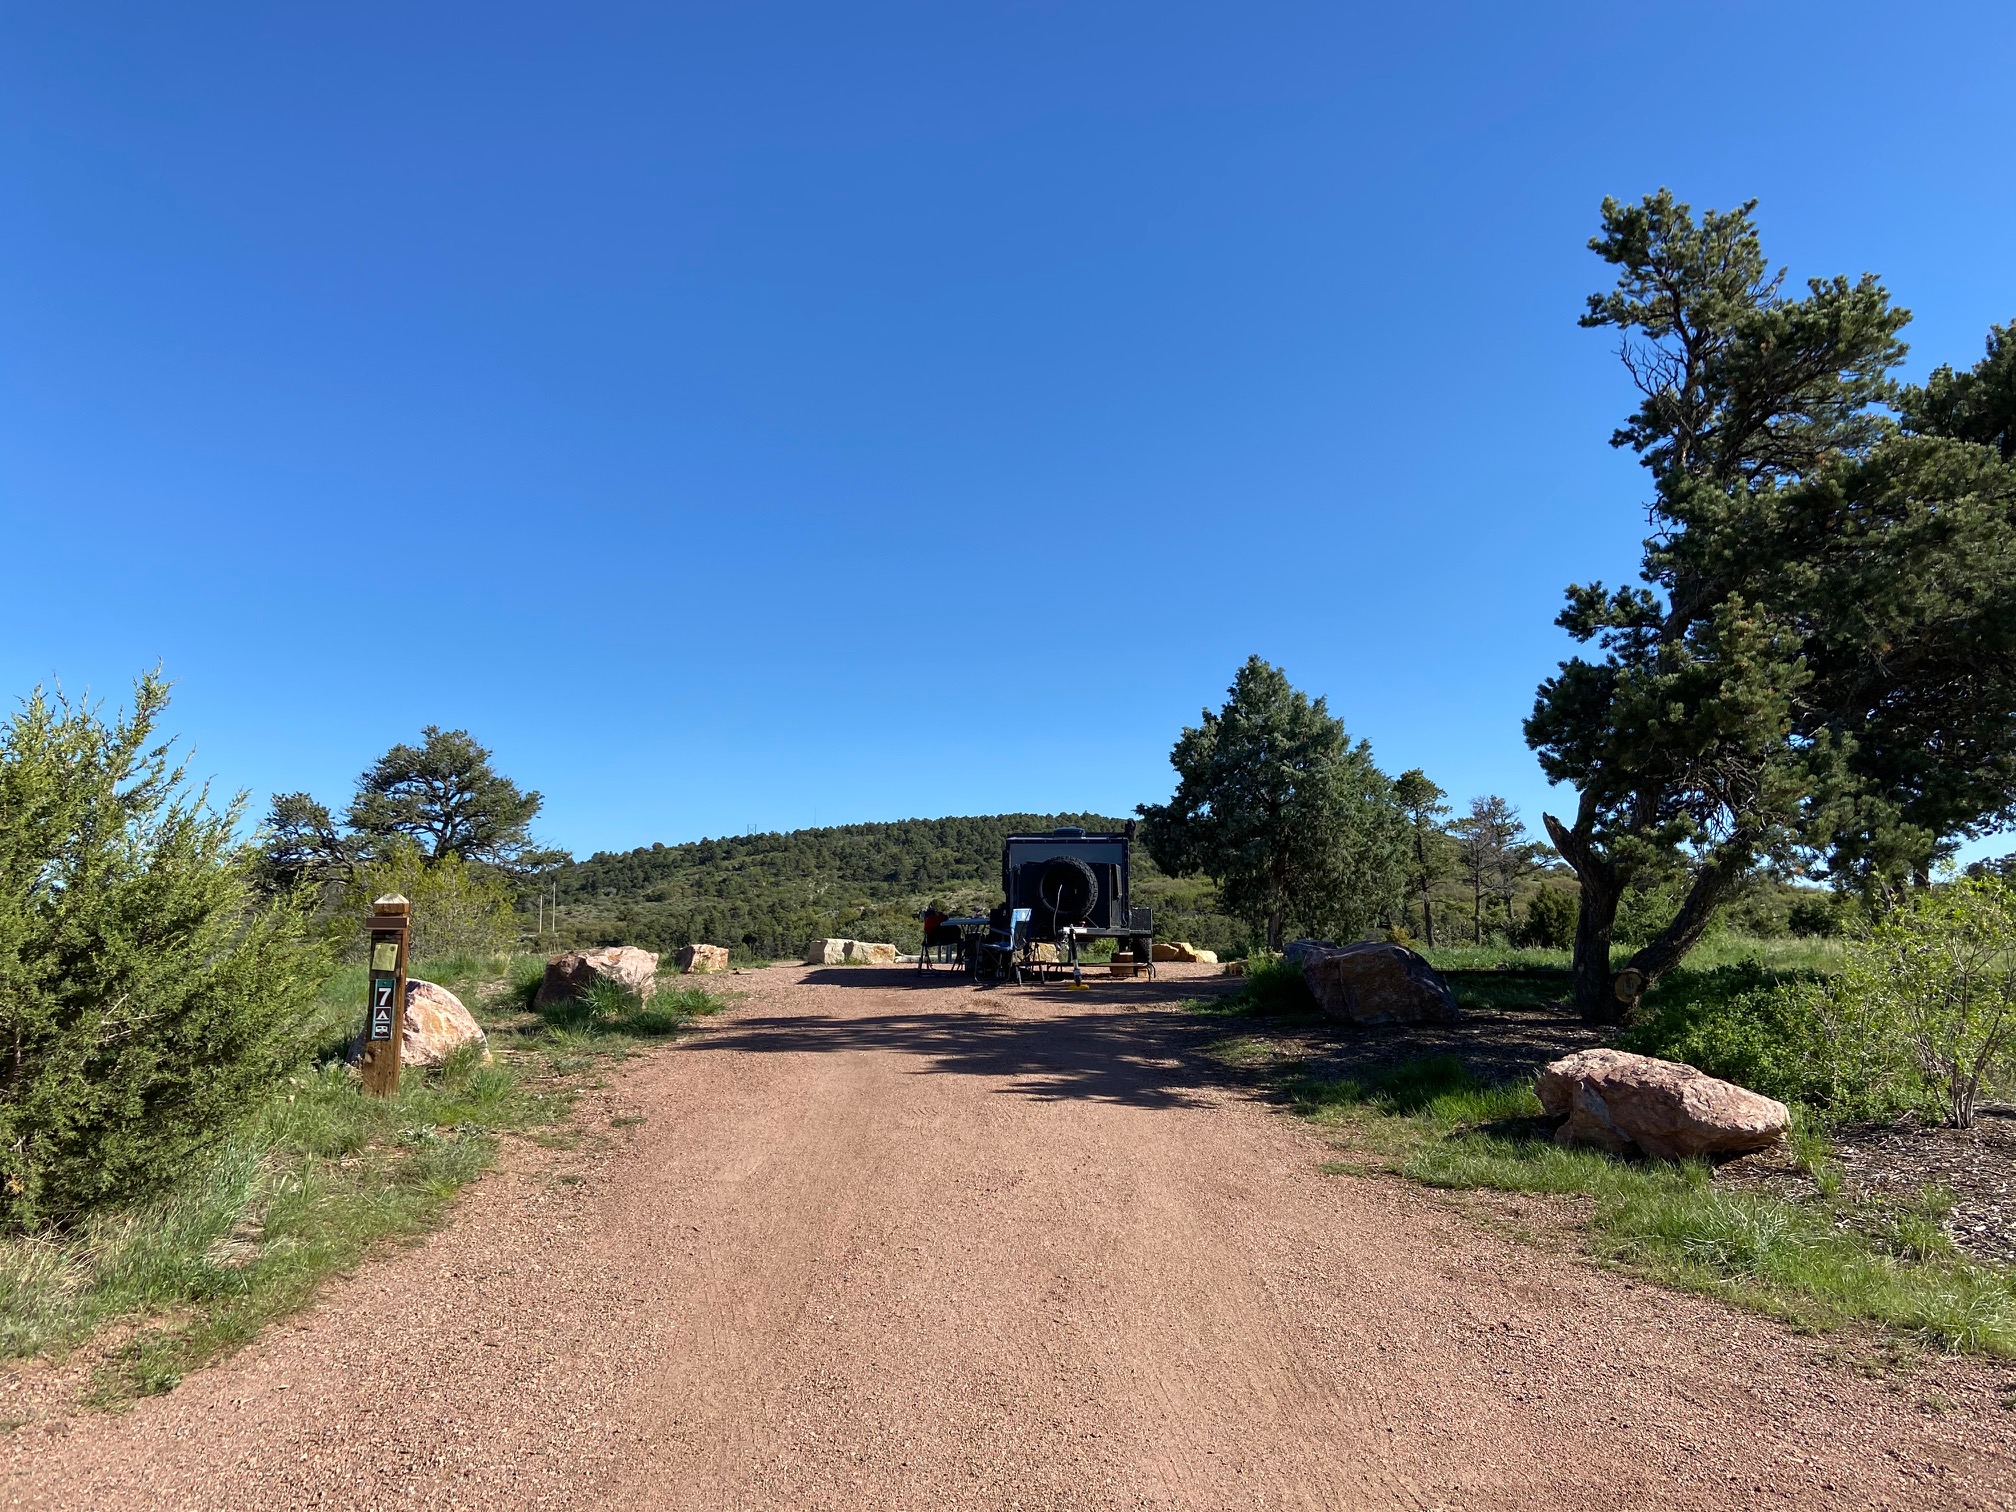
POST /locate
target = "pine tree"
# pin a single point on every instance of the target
(1274, 804)
(1421, 801)
(1821, 668)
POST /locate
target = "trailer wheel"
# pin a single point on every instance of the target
(1068, 889)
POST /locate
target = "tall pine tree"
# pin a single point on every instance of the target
(1821, 666)
(1276, 805)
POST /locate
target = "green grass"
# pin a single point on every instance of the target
(606, 1019)
(1720, 966)
(1242, 1050)
(1494, 958)
(1720, 949)
(1817, 1263)
(1505, 977)
(317, 1179)
(1269, 988)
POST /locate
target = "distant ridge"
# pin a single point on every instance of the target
(765, 895)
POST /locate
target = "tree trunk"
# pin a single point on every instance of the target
(1662, 954)
(1596, 991)
(1427, 902)
(1276, 924)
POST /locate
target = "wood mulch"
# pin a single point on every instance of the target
(1892, 1162)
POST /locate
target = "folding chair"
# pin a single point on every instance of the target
(1009, 950)
(945, 938)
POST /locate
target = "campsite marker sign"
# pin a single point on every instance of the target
(385, 1011)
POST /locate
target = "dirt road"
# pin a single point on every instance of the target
(883, 1241)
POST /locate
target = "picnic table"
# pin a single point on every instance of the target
(972, 930)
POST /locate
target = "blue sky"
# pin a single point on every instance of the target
(754, 415)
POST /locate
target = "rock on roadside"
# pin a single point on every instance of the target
(700, 959)
(1375, 983)
(849, 953)
(1183, 951)
(573, 972)
(1623, 1103)
(436, 1023)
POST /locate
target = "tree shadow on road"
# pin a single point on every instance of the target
(1120, 1042)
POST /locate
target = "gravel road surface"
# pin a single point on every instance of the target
(886, 1241)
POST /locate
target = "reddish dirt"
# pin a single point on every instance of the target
(886, 1241)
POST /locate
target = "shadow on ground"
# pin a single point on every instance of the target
(1146, 1043)
(1496, 1042)
(1127, 1042)
(1163, 991)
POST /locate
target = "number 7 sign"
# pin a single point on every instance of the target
(385, 1012)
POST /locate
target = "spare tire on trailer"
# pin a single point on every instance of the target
(1067, 889)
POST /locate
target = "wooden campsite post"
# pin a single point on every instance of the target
(385, 1014)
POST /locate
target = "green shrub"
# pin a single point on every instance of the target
(1550, 919)
(457, 910)
(1275, 986)
(1816, 916)
(1789, 1037)
(1938, 975)
(147, 998)
(1922, 1013)
(1646, 908)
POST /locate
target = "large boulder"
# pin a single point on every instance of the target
(1375, 983)
(1295, 952)
(849, 953)
(1184, 952)
(571, 974)
(699, 959)
(436, 1023)
(1628, 1103)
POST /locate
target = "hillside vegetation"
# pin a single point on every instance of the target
(765, 895)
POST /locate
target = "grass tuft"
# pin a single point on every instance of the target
(607, 1015)
(1269, 988)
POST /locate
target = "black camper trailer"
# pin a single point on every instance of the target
(1076, 881)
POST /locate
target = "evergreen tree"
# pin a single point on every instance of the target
(1823, 661)
(1496, 856)
(446, 797)
(1421, 801)
(1978, 406)
(301, 844)
(442, 798)
(1274, 804)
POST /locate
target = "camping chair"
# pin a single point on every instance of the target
(945, 937)
(1009, 949)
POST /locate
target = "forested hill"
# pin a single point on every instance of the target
(765, 895)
